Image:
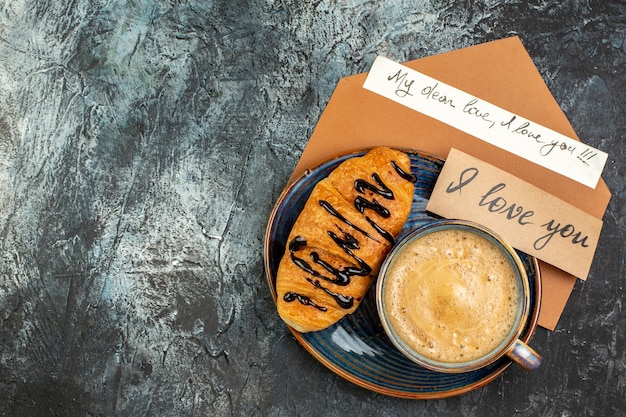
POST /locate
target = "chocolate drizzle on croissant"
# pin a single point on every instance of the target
(361, 185)
(344, 301)
(323, 262)
(402, 173)
(341, 276)
(330, 209)
(303, 299)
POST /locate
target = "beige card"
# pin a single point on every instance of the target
(530, 219)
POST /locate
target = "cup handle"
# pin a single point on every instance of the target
(524, 355)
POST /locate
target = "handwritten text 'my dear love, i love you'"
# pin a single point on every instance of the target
(485, 121)
(477, 109)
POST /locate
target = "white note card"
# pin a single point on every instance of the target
(486, 121)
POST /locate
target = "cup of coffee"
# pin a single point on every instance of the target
(453, 296)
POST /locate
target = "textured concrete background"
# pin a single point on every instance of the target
(142, 146)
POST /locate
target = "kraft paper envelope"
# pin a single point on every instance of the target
(500, 72)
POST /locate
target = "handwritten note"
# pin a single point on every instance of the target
(486, 121)
(530, 219)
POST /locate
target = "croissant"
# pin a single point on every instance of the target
(339, 240)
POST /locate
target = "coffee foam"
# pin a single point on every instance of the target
(452, 295)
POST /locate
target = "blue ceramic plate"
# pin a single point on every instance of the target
(357, 347)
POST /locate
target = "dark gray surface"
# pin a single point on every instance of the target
(142, 147)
